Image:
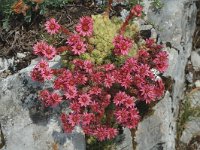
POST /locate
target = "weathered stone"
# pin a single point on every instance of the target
(156, 130)
(197, 83)
(126, 144)
(25, 123)
(6, 63)
(194, 99)
(20, 55)
(189, 77)
(175, 24)
(192, 125)
(195, 58)
(2, 140)
(192, 128)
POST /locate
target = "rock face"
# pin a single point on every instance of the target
(25, 123)
(6, 63)
(195, 58)
(176, 21)
(192, 124)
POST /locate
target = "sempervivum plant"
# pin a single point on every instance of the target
(105, 73)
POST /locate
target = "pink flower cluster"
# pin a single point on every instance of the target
(44, 50)
(103, 97)
(41, 72)
(122, 45)
(50, 99)
(76, 41)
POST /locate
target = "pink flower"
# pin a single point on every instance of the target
(36, 75)
(50, 99)
(73, 39)
(43, 64)
(133, 119)
(71, 92)
(121, 115)
(95, 106)
(161, 61)
(65, 123)
(55, 99)
(126, 81)
(80, 79)
(131, 64)
(73, 119)
(41, 72)
(75, 106)
(49, 52)
(87, 118)
(47, 73)
(39, 48)
(108, 67)
(95, 91)
(84, 100)
(122, 45)
(138, 80)
(105, 100)
(150, 42)
(45, 96)
(120, 98)
(79, 48)
(85, 26)
(111, 133)
(137, 10)
(103, 133)
(147, 93)
(143, 70)
(88, 66)
(109, 80)
(129, 102)
(162, 67)
(52, 26)
(159, 88)
(97, 77)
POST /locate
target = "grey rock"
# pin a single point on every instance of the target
(194, 99)
(6, 63)
(156, 130)
(192, 128)
(197, 83)
(21, 55)
(195, 58)
(192, 125)
(2, 140)
(189, 77)
(25, 123)
(126, 144)
(175, 23)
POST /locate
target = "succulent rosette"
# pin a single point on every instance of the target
(106, 72)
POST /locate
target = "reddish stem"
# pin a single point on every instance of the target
(109, 7)
(62, 49)
(123, 27)
(64, 30)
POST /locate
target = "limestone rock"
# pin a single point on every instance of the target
(175, 24)
(126, 144)
(195, 58)
(192, 128)
(25, 123)
(6, 63)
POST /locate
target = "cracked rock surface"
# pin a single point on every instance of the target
(25, 123)
(176, 21)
